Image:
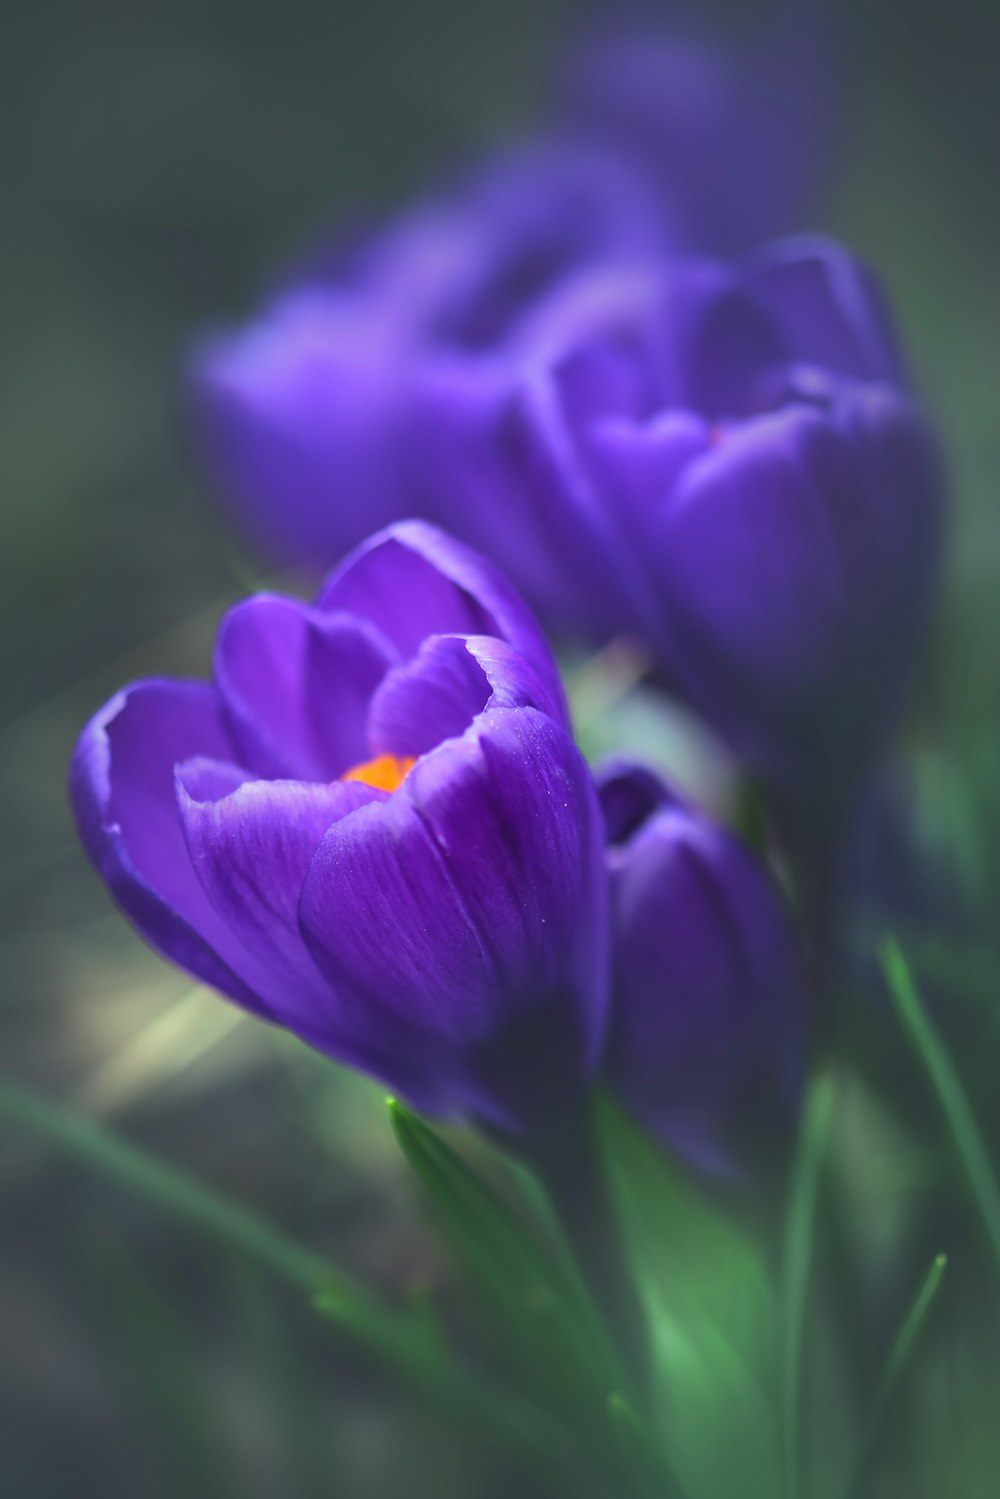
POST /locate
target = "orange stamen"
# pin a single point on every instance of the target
(384, 772)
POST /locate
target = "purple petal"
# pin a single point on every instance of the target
(905, 484)
(463, 442)
(515, 680)
(736, 139)
(637, 466)
(478, 458)
(750, 556)
(466, 268)
(727, 342)
(122, 789)
(463, 920)
(796, 560)
(412, 581)
(251, 843)
(533, 217)
(629, 792)
(827, 308)
(294, 414)
(708, 994)
(449, 682)
(573, 516)
(433, 697)
(295, 686)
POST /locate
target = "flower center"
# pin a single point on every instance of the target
(384, 772)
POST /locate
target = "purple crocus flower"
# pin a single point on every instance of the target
(708, 1007)
(306, 414)
(373, 828)
(725, 462)
(739, 136)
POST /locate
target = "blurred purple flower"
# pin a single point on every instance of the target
(373, 828)
(737, 135)
(724, 462)
(306, 414)
(664, 141)
(708, 1006)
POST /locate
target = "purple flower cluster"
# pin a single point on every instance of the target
(374, 827)
(307, 414)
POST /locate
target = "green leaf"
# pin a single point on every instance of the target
(143, 1172)
(540, 1315)
(897, 1364)
(947, 1084)
(293, 1402)
(428, 1370)
(799, 1234)
(909, 1333)
(711, 1320)
(639, 1456)
(168, 1385)
(226, 1221)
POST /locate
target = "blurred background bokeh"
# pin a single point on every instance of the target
(160, 161)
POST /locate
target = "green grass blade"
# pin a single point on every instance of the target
(226, 1221)
(799, 1233)
(947, 1085)
(544, 1317)
(474, 1401)
(906, 1340)
(896, 1366)
(430, 1371)
(169, 1386)
(710, 1321)
(292, 1401)
(640, 1460)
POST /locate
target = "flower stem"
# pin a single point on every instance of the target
(571, 1172)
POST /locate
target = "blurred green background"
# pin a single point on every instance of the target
(159, 161)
